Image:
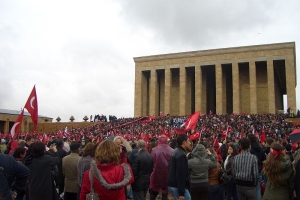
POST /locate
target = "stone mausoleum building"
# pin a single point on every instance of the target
(251, 79)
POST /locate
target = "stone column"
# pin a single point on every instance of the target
(198, 88)
(138, 94)
(290, 73)
(153, 93)
(253, 87)
(236, 88)
(6, 126)
(182, 91)
(168, 84)
(271, 86)
(219, 89)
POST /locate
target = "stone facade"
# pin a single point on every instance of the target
(8, 120)
(250, 79)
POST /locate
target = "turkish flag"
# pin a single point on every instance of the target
(191, 121)
(32, 107)
(195, 136)
(14, 132)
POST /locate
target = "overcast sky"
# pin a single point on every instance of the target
(80, 53)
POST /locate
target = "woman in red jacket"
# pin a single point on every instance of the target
(110, 177)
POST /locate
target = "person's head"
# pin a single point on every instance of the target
(21, 143)
(272, 166)
(19, 152)
(141, 144)
(59, 143)
(184, 141)
(75, 147)
(162, 140)
(107, 152)
(245, 143)
(29, 140)
(232, 150)
(288, 147)
(252, 138)
(269, 142)
(89, 150)
(38, 150)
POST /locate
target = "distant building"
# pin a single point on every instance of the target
(251, 79)
(8, 118)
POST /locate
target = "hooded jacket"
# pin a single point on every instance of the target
(200, 163)
(109, 180)
(161, 157)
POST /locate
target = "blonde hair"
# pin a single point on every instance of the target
(107, 152)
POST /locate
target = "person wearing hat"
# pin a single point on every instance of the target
(69, 165)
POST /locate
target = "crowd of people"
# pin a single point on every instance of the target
(128, 158)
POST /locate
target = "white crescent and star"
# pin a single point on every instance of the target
(31, 100)
(13, 129)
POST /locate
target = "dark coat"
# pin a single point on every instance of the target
(297, 179)
(142, 166)
(41, 183)
(59, 179)
(258, 151)
(179, 175)
(13, 177)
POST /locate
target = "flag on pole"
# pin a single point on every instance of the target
(14, 132)
(32, 107)
(191, 121)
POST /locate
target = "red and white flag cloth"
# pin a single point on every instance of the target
(32, 107)
(14, 132)
(191, 121)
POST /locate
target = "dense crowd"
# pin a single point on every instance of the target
(130, 157)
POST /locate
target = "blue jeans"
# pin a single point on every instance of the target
(258, 189)
(214, 192)
(231, 190)
(129, 194)
(174, 192)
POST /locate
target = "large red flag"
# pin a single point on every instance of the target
(191, 121)
(14, 132)
(32, 107)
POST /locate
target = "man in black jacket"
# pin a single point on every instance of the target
(142, 166)
(179, 176)
(260, 155)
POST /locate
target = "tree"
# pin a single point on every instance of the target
(72, 118)
(85, 118)
(58, 119)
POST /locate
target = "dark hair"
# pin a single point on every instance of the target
(288, 147)
(252, 138)
(59, 143)
(38, 150)
(18, 151)
(235, 150)
(269, 141)
(181, 138)
(28, 138)
(173, 143)
(245, 143)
